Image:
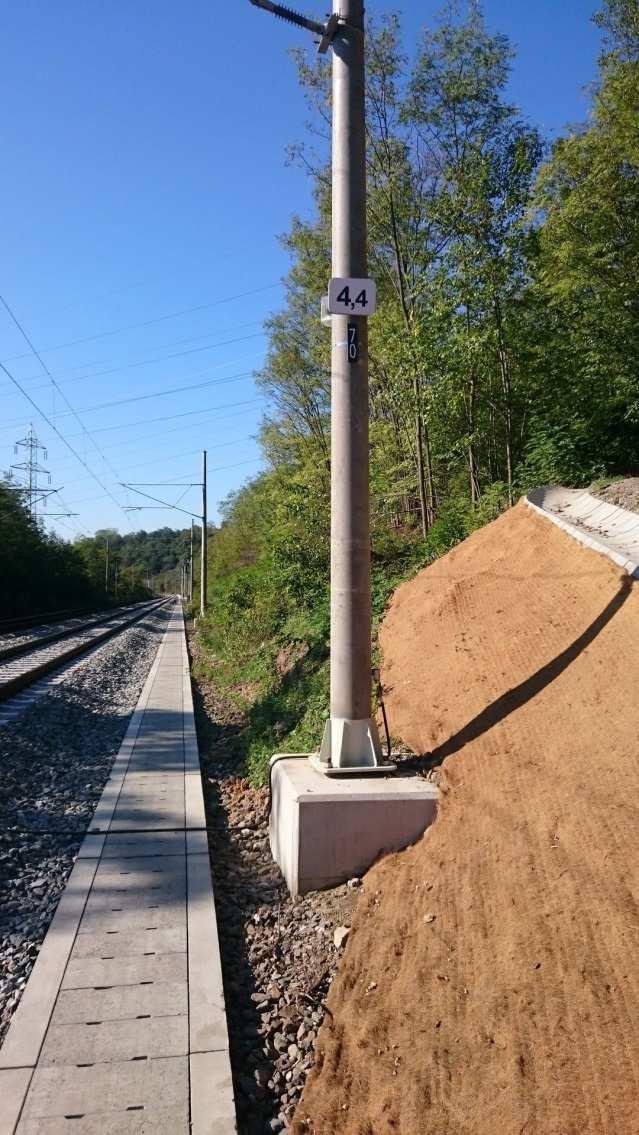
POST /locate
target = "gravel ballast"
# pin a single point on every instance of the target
(55, 759)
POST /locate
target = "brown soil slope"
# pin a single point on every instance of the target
(491, 981)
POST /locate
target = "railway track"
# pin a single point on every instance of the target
(24, 622)
(45, 650)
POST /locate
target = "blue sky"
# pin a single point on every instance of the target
(144, 187)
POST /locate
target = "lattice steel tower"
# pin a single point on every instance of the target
(31, 470)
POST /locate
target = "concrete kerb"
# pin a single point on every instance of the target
(14, 1085)
(210, 1077)
(582, 516)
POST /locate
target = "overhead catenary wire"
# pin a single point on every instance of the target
(215, 469)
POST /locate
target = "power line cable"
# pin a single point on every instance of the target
(46, 370)
(149, 362)
(56, 431)
(183, 414)
(149, 322)
(155, 393)
(162, 393)
(175, 456)
(136, 441)
(159, 347)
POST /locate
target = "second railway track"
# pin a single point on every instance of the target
(22, 664)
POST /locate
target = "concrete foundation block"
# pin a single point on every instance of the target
(325, 830)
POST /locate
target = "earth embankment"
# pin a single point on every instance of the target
(491, 980)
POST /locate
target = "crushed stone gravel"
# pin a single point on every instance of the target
(55, 759)
(625, 494)
(278, 954)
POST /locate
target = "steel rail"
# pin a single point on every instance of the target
(14, 684)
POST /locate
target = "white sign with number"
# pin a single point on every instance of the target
(349, 296)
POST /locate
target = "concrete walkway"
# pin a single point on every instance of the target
(121, 1029)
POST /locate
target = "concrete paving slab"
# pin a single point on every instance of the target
(168, 999)
(103, 1088)
(144, 918)
(114, 900)
(106, 1041)
(138, 868)
(130, 943)
(171, 1121)
(129, 895)
(134, 844)
(98, 973)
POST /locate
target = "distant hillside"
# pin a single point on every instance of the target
(150, 557)
(42, 573)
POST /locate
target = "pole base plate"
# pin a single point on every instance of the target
(350, 747)
(349, 770)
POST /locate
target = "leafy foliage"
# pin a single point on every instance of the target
(41, 573)
(38, 573)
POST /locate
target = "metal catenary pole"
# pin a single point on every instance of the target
(106, 567)
(351, 740)
(203, 566)
(191, 567)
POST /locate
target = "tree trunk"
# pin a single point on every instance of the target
(504, 372)
(472, 395)
(472, 459)
(432, 498)
(419, 451)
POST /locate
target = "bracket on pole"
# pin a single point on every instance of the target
(328, 34)
(325, 31)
